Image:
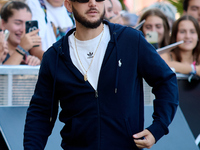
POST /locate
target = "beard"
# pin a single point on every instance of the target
(86, 23)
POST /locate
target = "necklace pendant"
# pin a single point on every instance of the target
(85, 77)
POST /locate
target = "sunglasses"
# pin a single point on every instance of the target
(85, 1)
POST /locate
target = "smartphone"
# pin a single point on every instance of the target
(7, 33)
(31, 26)
(152, 38)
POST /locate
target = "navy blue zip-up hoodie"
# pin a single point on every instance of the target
(107, 118)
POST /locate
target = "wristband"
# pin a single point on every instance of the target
(20, 52)
(21, 49)
(194, 63)
(193, 68)
(193, 71)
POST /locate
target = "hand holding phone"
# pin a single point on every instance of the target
(152, 38)
(32, 25)
(6, 33)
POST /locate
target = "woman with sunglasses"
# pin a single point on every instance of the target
(14, 14)
(95, 75)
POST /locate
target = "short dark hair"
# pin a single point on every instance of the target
(7, 9)
(196, 50)
(185, 5)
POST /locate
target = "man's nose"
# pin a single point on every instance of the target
(92, 3)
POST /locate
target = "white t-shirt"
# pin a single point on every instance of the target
(86, 50)
(59, 16)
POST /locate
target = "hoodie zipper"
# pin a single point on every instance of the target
(96, 94)
(98, 115)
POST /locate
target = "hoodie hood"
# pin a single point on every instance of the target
(115, 31)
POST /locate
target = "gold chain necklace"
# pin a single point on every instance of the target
(85, 75)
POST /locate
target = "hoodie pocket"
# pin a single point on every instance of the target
(82, 132)
(128, 128)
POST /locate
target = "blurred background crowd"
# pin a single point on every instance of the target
(163, 23)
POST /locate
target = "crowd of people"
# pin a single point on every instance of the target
(28, 48)
(185, 57)
(20, 46)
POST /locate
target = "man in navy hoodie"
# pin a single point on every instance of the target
(95, 75)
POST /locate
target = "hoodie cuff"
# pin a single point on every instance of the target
(158, 130)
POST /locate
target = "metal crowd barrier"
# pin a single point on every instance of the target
(17, 84)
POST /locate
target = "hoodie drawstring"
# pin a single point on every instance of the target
(119, 64)
(119, 61)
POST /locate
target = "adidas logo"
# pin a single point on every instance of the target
(90, 55)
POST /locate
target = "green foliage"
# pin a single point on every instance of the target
(178, 4)
(123, 5)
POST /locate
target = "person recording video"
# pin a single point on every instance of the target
(21, 48)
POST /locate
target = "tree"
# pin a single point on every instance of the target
(178, 4)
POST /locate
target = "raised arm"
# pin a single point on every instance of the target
(179, 67)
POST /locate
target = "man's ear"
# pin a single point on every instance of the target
(68, 5)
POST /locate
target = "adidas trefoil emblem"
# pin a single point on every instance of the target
(90, 55)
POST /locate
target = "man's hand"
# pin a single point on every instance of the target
(148, 140)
